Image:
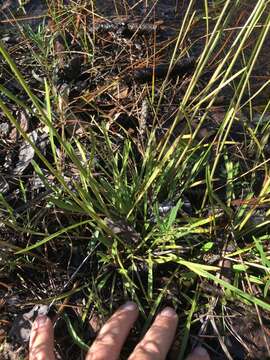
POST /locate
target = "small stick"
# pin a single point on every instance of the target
(145, 75)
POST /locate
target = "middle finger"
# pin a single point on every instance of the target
(158, 339)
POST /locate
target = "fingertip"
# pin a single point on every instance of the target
(41, 321)
(169, 312)
(41, 339)
(199, 353)
(129, 306)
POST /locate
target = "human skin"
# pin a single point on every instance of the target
(109, 342)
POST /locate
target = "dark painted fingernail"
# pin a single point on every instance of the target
(130, 306)
(168, 311)
(200, 351)
(40, 321)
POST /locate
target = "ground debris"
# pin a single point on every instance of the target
(250, 339)
(125, 231)
(21, 327)
(106, 79)
(125, 27)
(143, 75)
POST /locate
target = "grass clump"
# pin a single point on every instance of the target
(157, 186)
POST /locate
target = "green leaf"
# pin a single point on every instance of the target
(240, 267)
(53, 236)
(207, 246)
(75, 337)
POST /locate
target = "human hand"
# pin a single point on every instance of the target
(108, 344)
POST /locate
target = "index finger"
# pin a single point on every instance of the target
(41, 340)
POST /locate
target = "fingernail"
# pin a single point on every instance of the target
(200, 351)
(168, 311)
(40, 321)
(130, 306)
